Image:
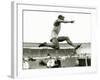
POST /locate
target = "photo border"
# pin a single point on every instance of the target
(17, 39)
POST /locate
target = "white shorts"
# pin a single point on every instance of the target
(54, 35)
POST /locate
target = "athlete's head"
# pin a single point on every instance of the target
(61, 17)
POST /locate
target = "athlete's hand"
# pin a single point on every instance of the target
(72, 21)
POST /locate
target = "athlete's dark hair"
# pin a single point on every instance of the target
(61, 17)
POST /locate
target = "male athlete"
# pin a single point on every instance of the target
(54, 35)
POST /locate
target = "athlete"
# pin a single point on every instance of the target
(55, 39)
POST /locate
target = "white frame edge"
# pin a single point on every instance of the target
(14, 39)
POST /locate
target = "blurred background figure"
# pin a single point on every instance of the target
(57, 63)
(50, 62)
(25, 63)
(77, 62)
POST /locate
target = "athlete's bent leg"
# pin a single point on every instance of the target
(64, 38)
(54, 44)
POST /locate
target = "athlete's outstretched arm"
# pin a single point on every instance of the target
(68, 22)
(62, 21)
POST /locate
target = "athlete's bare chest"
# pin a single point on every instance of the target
(57, 29)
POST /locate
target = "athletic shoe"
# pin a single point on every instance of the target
(78, 47)
(42, 44)
(75, 50)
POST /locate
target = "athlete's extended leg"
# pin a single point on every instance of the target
(64, 38)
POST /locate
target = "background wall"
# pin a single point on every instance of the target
(38, 26)
(5, 38)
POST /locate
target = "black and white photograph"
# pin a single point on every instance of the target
(52, 40)
(56, 39)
